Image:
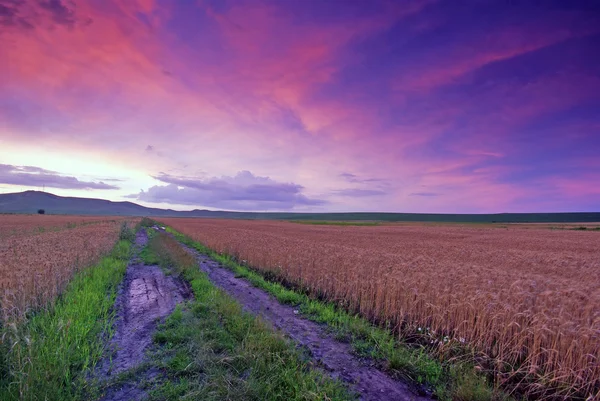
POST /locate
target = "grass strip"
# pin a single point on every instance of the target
(49, 355)
(211, 349)
(450, 380)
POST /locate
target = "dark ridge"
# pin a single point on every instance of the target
(32, 201)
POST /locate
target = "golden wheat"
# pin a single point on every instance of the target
(527, 298)
(39, 254)
(17, 224)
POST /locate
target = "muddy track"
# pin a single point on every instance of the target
(334, 356)
(145, 297)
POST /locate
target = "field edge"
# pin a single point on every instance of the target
(454, 380)
(50, 354)
(210, 347)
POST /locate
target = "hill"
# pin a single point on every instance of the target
(31, 201)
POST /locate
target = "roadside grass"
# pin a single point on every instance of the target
(455, 378)
(336, 223)
(210, 349)
(49, 355)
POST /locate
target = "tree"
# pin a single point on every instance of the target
(41, 211)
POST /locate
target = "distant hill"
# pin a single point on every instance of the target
(31, 201)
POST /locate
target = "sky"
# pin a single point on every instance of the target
(426, 106)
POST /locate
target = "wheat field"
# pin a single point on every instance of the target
(526, 299)
(39, 254)
(12, 225)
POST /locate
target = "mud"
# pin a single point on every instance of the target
(146, 296)
(334, 356)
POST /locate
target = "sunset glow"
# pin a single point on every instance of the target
(401, 106)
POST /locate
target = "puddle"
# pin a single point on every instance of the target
(146, 296)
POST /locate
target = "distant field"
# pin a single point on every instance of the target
(526, 298)
(558, 218)
(18, 224)
(39, 254)
(336, 223)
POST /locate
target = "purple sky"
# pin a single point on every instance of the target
(320, 105)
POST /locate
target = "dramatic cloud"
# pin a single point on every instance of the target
(421, 105)
(44, 13)
(244, 191)
(29, 176)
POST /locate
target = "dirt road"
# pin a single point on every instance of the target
(334, 356)
(146, 296)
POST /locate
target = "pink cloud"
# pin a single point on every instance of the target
(497, 44)
(269, 92)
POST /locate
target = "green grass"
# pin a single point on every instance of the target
(456, 380)
(211, 349)
(48, 356)
(336, 223)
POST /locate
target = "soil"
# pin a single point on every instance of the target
(334, 356)
(146, 296)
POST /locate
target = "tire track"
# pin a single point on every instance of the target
(146, 296)
(334, 356)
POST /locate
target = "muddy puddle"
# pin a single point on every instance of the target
(146, 296)
(334, 356)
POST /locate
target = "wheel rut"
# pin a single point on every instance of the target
(334, 356)
(146, 296)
